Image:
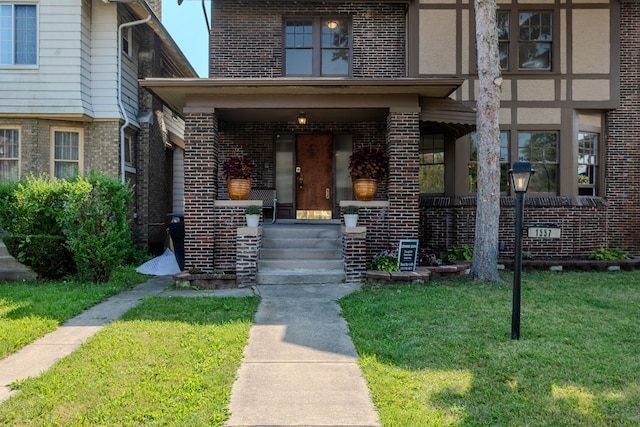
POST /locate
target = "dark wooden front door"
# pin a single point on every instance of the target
(314, 176)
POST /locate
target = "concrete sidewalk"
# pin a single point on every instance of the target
(299, 367)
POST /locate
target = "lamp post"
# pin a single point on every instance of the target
(520, 174)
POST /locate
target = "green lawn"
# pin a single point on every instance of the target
(169, 362)
(441, 354)
(30, 310)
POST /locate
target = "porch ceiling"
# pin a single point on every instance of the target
(323, 99)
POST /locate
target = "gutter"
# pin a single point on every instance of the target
(121, 106)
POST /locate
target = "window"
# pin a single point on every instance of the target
(587, 163)
(18, 34)
(126, 36)
(432, 163)
(67, 154)
(129, 152)
(9, 155)
(504, 162)
(317, 47)
(541, 149)
(528, 46)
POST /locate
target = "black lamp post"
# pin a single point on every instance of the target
(520, 174)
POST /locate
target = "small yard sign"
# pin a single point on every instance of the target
(408, 255)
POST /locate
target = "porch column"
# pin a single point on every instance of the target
(200, 188)
(403, 145)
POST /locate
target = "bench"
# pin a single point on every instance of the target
(269, 200)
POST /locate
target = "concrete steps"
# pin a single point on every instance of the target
(300, 253)
(11, 270)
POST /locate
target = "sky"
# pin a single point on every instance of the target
(187, 26)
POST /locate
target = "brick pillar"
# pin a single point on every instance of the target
(354, 246)
(403, 145)
(200, 188)
(248, 242)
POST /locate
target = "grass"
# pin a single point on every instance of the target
(30, 310)
(441, 354)
(169, 362)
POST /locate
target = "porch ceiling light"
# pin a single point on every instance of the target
(302, 118)
(332, 24)
(520, 176)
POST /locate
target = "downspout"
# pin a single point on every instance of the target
(120, 105)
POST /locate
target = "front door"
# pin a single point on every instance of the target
(314, 176)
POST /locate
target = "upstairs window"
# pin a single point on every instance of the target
(9, 155)
(317, 47)
(526, 45)
(18, 34)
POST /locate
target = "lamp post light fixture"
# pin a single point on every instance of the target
(520, 174)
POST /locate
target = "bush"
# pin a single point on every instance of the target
(34, 208)
(46, 255)
(457, 254)
(7, 199)
(96, 225)
(608, 254)
(386, 260)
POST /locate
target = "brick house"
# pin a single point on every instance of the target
(401, 75)
(79, 62)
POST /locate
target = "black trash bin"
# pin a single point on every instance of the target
(176, 231)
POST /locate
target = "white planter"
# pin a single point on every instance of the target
(253, 220)
(350, 220)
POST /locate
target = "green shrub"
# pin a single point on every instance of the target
(46, 255)
(386, 260)
(7, 199)
(34, 208)
(457, 254)
(608, 254)
(96, 225)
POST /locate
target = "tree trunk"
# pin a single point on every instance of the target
(485, 254)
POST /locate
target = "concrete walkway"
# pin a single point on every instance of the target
(299, 367)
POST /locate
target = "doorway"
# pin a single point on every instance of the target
(314, 176)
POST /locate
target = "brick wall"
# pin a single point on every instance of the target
(623, 141)
(583, 228)
(246, 39)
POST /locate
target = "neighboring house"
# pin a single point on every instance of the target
(402, 75)
(70, 101)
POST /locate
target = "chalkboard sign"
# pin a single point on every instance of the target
(407, 255)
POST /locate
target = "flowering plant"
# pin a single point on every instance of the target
(369, 163)
(386, 260)
(238, 167)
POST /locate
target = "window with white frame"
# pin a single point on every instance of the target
(317, 47)
(504, 162)
(18, 34)
(587, 163)
(541, 149)
(67, 153)
(9, 154)
(525, 40)
(431, 175)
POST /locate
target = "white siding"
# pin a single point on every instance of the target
(77, 63)
(104, 60)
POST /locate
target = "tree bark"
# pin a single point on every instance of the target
(485, 254)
